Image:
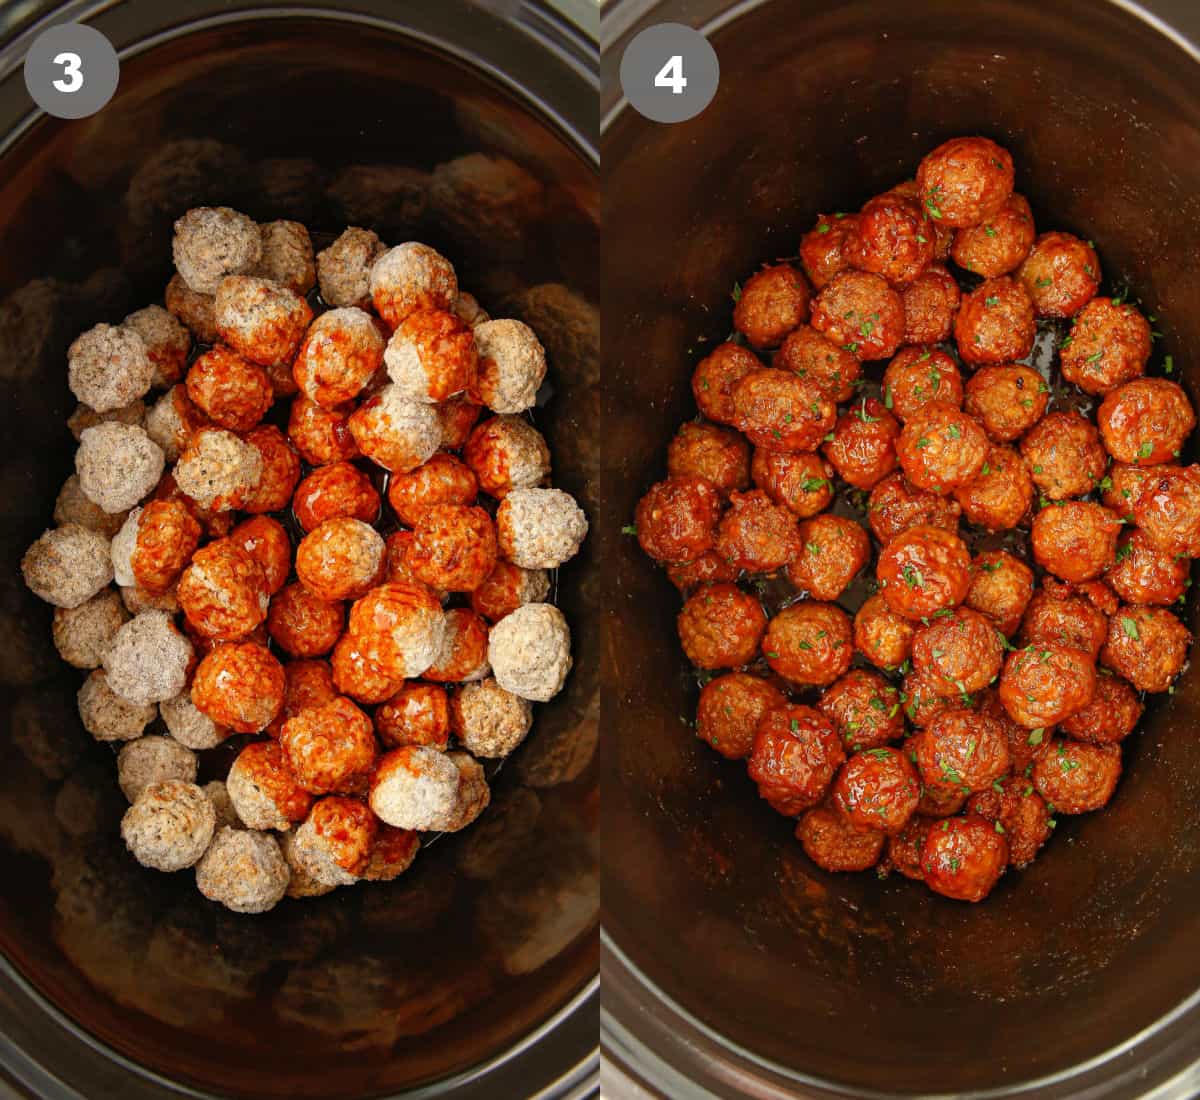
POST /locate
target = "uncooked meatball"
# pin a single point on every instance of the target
(508, 587)
(169, 826)
(489, 721)
(394, 432)
(212, 242)
(244, 870)
(503, 453)
(995, 323)
(330, 749)
(172, 420)
(1145, 422)
(1064, 455)
(415, 787)
(1061, 274)
(344, 268)
(399, 627)
(108, 368)
(772, 303)
(343, 559)
(410, 277)
(858, 311)
(512, 366)
(341, 352)
(192, 309)
(108, 717)
(999, 244)
(1075, 539)
(453, 547)
(941, 448)
(149, 659)
(148, 760)
(287, 256)
(431, 357)
(540, 528)
(188, 725)
(68, 565)
(73, 507)
(218, 470)
(1108, 345)
(261, 320)
(118, 465)
(530, 651)
(1007, 400)
(83, 634)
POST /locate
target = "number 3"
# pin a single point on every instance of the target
(72, 70)
(671, 75)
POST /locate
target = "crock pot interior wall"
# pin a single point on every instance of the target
(882, 985)
(368, 990)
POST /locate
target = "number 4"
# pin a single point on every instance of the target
(72, 69)
(671, 75)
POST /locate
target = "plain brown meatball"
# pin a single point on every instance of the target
(880, 635)
(1120, 489)
(941, 448)
(809, 643)
(858, 311)
(721, 626)
(964, 857)
(772, 303)
(893, 237)
(1146, 421)
(1044, 683)
(795, 755)
(1144, 574)
(924, 571)
(823, 248)
(878, 789)
(706, 569)
(962, 748)
(810, 355)
(1077, 778)
(1001, 588)
(1108, 345)
(834, 843)
(958, 652)
(1111, 715)
(780, 411)
(931, 302)
(756, 534)
(1146, 645)
(917, 376)
(1017, 812)
(717, 374)
(1061, 274)
(965, 181)
(1066, 620)
(677, 519)
(730, 709)
(864, 709)
(863, 447)
(894, 506)
(1168, 510)
(995, 323)
(832, 550)
(998, 244)
(1064, 455)
(710, 452)
(1000, 497)
(802, 483)
(1075, 539)
(1007, 400)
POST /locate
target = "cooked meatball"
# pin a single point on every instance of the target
(730, 709)
(1108, 346)
(931, 302)
(878, 789)
(809, 643)
(894, 506)
(958, 652)
(995, 323)
(858, 311)
(962, 748)
(1168, 510)
(779, 411)
(1146, 645)
(1064, 619)
(1018, 813)
(795, 756)
(1144, 574)
(964, 857)
(721, 627)
(1007, 400)
(832, 550)
(922, 703)
(757, 535)
(880, 635)
(677, 519)
(1075, 539)
(863, 447)
(1145, 422)
(1110, 717)
(917, 376)
(892, 237)
(1000, 497)
(1001, 588)
(1024, 745)
(802, 483)
(715, 377)
(923, 571)
(998, 244)
(864, 709)
(244, 870)
(965, 180)
(169, 826)
(823, 248)
(1044, 683)
(1077, 778)
(904, 849)
(710, 452)
(340, 354)
(834, 843)
(1064, 455)
(1061, 274)
(941, 448)
(772, 303)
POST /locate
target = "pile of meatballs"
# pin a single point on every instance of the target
(327, 518)
(973, 697)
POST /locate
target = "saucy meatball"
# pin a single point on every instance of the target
(232, 392)
(224, 592)
(418, 714)
(858, 311)
(904, 849)
(809, 354)
(931, 302)
(756, 534)
(721, 626)
(794, 758)
(1168, 510)
(321, 435)
(1145, 422)
(834, 843)
(503, 453)
(941, 448)
(1120, 489)
(809, 643)
(892, 237)
(1044, 683)
(730, 709)
(878, 789)
(1001, 496)
(962, 748)
(453, 548)
(864, 709)
(715, 377)
(772, 303)
(303, 625)
(338, 489)
(880, 635)
(802, 483)
(1064, 619)
(1111, 715)
(964, 857)
(922, 703)
(965, 180)
(894, 506)
(1144, 574)
(1076, 777)
(1075, 539)
(706, 569)
(832, 550)
(923, 571)
(1001, 588)
(1064, 455)
(1024, 745)
(240, 687)
(998, 244)
(780, 411)
(823, 248)
(863, 447)
(995, 323)
(677, 519)
(444, 479)
(1108, 345)
(1018, 813)
(1007, 400)
(1061, 274)
(917, 376)
(710, 452)
(958, 652)
(1146, 645)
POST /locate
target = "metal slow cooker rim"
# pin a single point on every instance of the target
(552, 27)
(651, 1044)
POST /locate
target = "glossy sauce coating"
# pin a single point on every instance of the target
(794, 758)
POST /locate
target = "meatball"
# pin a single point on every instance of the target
(339, 489)
(931, 302)
(330, 749)
(878, 789)
(264, 790)
(721, 626)
(1066, 620)
(1045, 683)
(894, 506)
(809, 643)
(456, 418)
(239, 686)
(1064, 455)
(863, 447)
(962, 748)
(958, 652)
(118, 465)
(169, 826)
(192, 309)
(805, 352)
(287, 256)
(188, 726)
(333, 846)
(1061, 274)
(73, 507)
(415, 787)
(712, 453)
(1075, 539)
(904, 849)
(858, 311)
(224, 592)
(244, 870)
(998, 245)
(540, 528)
(418, 714)
(342, 559)
(802, 483)
(267, 542)
(149, 760)
(757, 535)
(880, 635)
(923, 703)
(344, 268)
(941, 448)
(864, 708)
(1001, 496)
(306, 684)
(892, 237)
(1001, 588)
(1110, 717)
(1167, 509)
(965, 181)
(995, 323)
(730, 709)
(1077, 778)
(923, 571)
(431, 357)
(410, 277)
(530, 651)
(772, 303)
(508, 587)
(507, 453)
(83, 634)
(67, 566)
(823, 248)
(154, 545)
(212, 242)
(341, 353)
(321, 435)
(218, 470)
(108, 368)
(512, 366)
(260, 320)
(917, 376)
(280, 471)
(795, 755)
(1018, 813)
(358, 677)
(108, 717)
(964, 857)
(453, 547)
(303, 625)
(396, 433)
(1007, 400)
(1146, 645)
(1143, 574)
(833, 549)
(834, 843)
(487, 720)
(464, 652)
(399, 627)
(230, 391)
(1024, 745)
(715, 377)
(779, 411)
(1145, 422)
(1108, 345)
(149, 659)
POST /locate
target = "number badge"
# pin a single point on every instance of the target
(669, 73)
(71, 71)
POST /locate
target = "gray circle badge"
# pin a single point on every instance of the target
(71, 70)
(669, 73)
